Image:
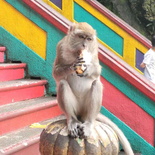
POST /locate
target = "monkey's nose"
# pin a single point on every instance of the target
(84, 44)
(79, 52)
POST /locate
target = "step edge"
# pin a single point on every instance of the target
(20, 145)
(31, 84)
(2, 48)
(12, 66)
(30, 141)
(26, 110)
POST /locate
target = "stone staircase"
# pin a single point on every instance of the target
(22, 103)
(24, 109)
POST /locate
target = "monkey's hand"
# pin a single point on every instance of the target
(80, 67)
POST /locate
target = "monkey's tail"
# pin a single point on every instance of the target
(126, 145)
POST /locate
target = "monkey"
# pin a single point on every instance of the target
(79, 94)
(76, 93)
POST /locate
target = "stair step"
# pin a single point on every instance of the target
(23, 141)
(18, 90)
(2, 50)
(26, 140)
(12, 71)
(20, 114)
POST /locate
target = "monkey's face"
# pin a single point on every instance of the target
(82, 36)
(82, 40)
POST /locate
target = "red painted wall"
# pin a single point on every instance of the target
(127, 111)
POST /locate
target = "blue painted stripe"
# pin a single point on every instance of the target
(139, 59)
(58, 3)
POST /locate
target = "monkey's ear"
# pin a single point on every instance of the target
(72, 28)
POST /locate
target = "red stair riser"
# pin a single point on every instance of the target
(1, 56)
(11, 74)
(15, 95)
(26, 110)
(28, 119)
(31, 150)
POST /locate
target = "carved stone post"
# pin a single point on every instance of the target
(54, 140)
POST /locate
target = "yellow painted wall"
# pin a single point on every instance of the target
(23, 29)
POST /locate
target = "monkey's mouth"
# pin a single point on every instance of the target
(79, 52)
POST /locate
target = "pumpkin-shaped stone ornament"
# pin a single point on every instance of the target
(54, 140)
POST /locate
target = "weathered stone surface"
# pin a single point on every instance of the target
(54, 140)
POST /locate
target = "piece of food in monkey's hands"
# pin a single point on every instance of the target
(80, 67)
(84, 58)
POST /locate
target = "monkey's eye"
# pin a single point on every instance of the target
(89, 39)
(81, 36)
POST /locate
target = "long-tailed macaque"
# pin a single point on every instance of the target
(79, 93)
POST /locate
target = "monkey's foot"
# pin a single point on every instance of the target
(84, 130)
(73, 129)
